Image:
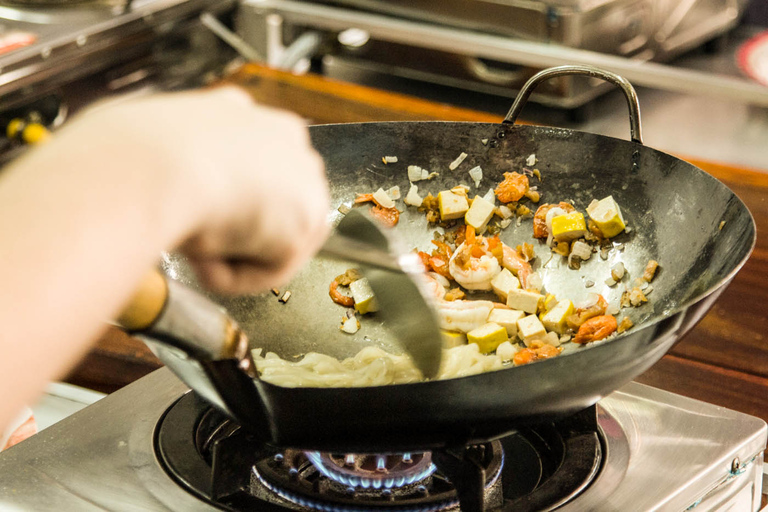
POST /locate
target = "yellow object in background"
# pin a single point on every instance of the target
(30, 133)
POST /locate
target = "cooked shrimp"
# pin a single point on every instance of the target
(472, 268)
(515, 263)
(338, 297)
(387, 216)
(463, 315)
(597, 328)
(513, 188)
(433, 287)
(528, 355)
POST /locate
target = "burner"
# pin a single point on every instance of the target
(532, 469)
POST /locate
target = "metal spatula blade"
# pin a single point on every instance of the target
(394, 278)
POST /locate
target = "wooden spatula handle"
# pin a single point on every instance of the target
(147, 302)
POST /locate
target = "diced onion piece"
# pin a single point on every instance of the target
(390, 159)
(535, 281)
(505, 212)
(350, 325)
(394, 192)
(610, 282)
(617, 272)
(531, 160)
(552, 213)
(504, 224)
(476, 173)
(490, 196)
(506, 351)
(581, 250)
(383, 199)
(612, 309)
(457, 162)
(441, 279)
(413, 198)
(416, 173)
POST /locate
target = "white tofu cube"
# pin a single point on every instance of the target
(452, 206)
(503, 282)
(479, 213)
(524, 300)
(530, 328)
(507, 318)
(555, 318)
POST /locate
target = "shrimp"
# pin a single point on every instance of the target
(475, 263)
(515, 263)
(433, 287)
(387, 216)
(513, 188)
(528, 355)
(463, 315)
(597, 328)
(338, 297)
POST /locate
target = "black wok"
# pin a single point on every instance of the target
(697, 229)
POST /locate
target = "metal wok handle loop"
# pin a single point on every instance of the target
(618, 81)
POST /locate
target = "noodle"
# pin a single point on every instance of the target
(371, 366)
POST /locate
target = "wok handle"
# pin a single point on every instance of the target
(618, 81)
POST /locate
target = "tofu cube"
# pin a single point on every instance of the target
(524, 300)
(453, 339)
(503, 282)
(530, 328)
(362, 293)
(568, 227)
(479, 213)
(607, 215)
(452, 206)
(506, 318)
(488, 337)
(554, 319)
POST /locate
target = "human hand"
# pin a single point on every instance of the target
(244, 190)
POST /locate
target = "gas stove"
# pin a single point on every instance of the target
(154, 446)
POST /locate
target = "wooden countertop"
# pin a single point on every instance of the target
(724, 360)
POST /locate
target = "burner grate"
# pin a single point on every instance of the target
(533, 469)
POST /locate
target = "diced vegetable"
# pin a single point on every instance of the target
(507, 318)
(413, 198)
(453, 165)
(350, 325)
(488, 337)
(607, 215)
(524, 300)
(506, 351)
(452, 205)
(568, 227)
(479, 213)
(394, 192)
(382, 199)
(389, 159)
(416, 173)
(476, 173)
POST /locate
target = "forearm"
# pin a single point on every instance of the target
(77, 234)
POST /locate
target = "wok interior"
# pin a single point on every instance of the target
(674, 212)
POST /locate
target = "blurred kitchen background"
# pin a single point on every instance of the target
(700, 66)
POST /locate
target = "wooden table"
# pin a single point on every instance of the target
(724, 360)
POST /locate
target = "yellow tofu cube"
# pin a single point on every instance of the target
(568, 227)
(488, 337)
(530, 328)
(506, 318)
(479, 213)
(453, 339)
(452, 206)
(554, 319)
(607, 215)
(524, 300)
(365, 302)
(503, 282)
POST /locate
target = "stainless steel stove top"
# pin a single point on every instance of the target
(663, 452)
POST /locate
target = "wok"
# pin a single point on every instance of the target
(697, 229)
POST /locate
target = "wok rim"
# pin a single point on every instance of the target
(721, 283)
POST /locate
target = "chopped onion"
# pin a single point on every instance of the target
(504, 224)
(490, 196)
(551, 214)
(612, 309)
(505, 212)
(531, 160)
(610, 282)
(552, 338)
(617, 272)
(440, 279)
(581, 250)
(506, 351)
(476, 173)
(648, 290)
(591, 300)
(382, 198)
(394, 192)
(457, 162)
(413, 198)
(416, 173)
(390, 159)
(351, 325)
